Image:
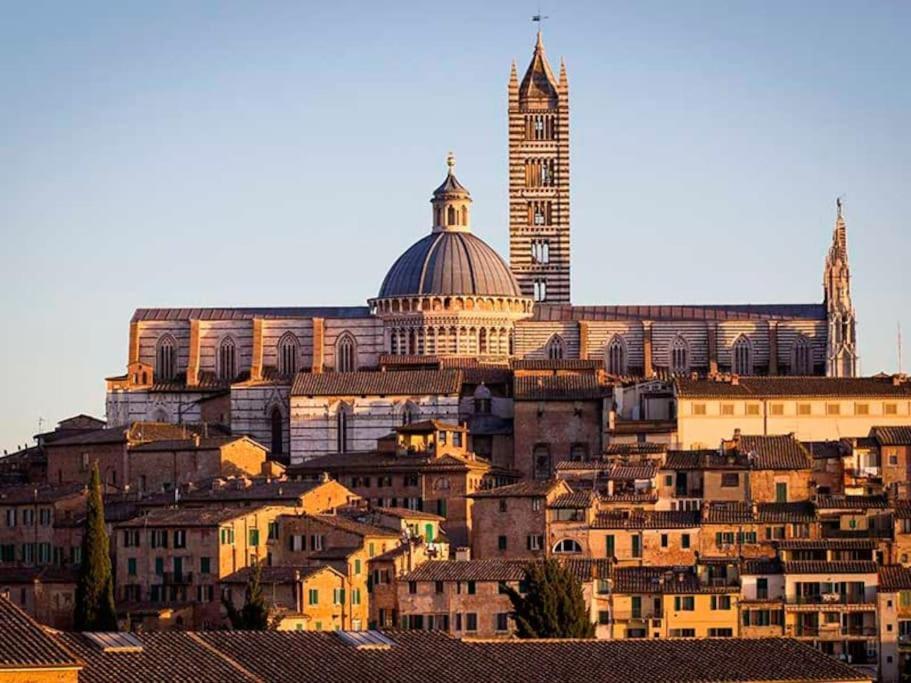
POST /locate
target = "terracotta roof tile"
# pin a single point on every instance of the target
(817, 387)
(892, 436)
(647, 519)
(850, 502)
(366, 383)
(894, 578)
(559, 388)
(775, 452)
(25, 644)
(234, 313)
(675, 312)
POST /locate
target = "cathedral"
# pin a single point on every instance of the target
(298, 378)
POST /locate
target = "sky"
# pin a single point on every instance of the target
(220, 153)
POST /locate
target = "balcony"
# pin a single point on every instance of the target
(830, 599)
(177, 578)
(831, 631)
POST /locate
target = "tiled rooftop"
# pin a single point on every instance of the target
(559, 388)
(368, 383)
(792, 387)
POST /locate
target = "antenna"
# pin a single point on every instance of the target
(899, 348)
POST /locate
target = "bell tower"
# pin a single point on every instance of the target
(539, 246)
(841, 345)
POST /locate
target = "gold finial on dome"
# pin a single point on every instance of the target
(450, 161)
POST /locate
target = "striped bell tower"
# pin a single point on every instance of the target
(539, 249)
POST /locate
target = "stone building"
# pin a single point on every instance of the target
(450, 295)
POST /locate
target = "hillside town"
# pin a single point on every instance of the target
(731, 497)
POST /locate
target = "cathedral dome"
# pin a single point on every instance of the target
(450, 260)
(449, 263)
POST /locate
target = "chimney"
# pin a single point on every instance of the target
(463, 553)
(196, 440)
(735, 380)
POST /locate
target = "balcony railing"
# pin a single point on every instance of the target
(830, 599)
(178, 578)
(831, 631)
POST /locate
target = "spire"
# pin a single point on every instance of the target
(564, 81)
(539, 81)
(513, 75)
(450, 202)
(839, 248)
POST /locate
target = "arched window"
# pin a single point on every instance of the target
(567, 545)
(343, 427)
(802, 357)
(512, 343)
(160, 415)
(680, 355)
(450, 216)
(227, 362)
(482, 340)
(165, 358)
(616, 356)
(464, 215)
(556, 348)
(287, 355)
(346, 353)
(278, 441)
(742, 356)
(410, 413)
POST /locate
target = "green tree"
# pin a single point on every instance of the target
(254, 615)
(95, 587)
(552, 606)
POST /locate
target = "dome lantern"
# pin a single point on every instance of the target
(451, 203)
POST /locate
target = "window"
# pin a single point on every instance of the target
(158, 538)
(165, 358)
(357, 566)
(776, 409)
(721, 602)
(355, 596)
(338, 596)
(227, 362)
(637, 545)
(861, 408)
(890, 409)
(345, 353)
(159, 566)
(684, 603)
(342, 427)
(567, 545)
(752, 409)
(684, 541)
(730, 480)
(833, 409)
(412, 587)
(205, 565)
(603, 617)
(540, 251)
(802, 359)
(540, 289)
(727, 408)
(227, 536)
(541, 457)
(313, 596)
(131, 566)
(556, 348)
(721, 633)
(501, 542)
(616, 356)
(636, 606)
(502, 621)
(471, 621)
(254, 537)
(535, 542)
(680, 362)
(131, 538)
(682, 633)
(699, 409)
(287, 354)
(781, 492)
(278, 441)
(664, 540)
(180, 538)
(501, 505)
(804, 409)
(472, 588)
(742, 355)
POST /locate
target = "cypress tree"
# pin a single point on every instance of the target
(254, 615)
(553, 605)
(94, 609)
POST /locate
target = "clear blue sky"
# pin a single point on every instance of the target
(237, 153)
